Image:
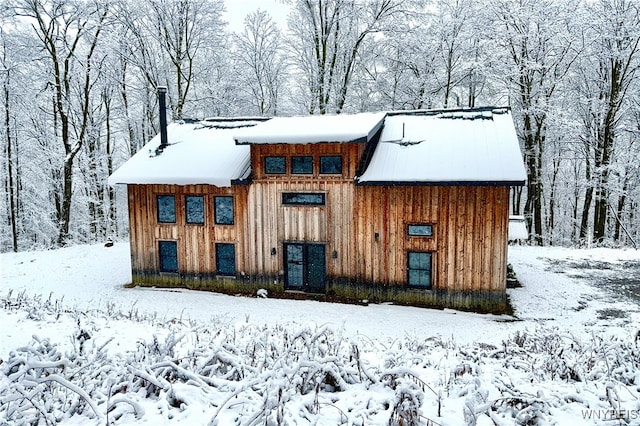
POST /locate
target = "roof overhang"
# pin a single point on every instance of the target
(341, 128)
(464, 147)
(199, 152)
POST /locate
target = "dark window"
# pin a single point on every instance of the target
(422, 230)
(224, 210)
(331, 164)
(225, 259)
(194, 209)
(168, 256)
(166, 208)
(303, 198)
(419, 269)
(302, 165)
(274, 165)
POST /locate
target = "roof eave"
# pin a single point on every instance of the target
(440, 183)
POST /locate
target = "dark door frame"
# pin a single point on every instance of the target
(314, 266)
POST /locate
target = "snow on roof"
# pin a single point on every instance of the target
(454, 147)
(198, 153)
(313, 129)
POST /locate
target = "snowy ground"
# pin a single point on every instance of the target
(78, 348)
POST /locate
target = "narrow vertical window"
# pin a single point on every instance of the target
(419, 269)
(331, 165)
(302, 165)
(168, 252)
(194, 209)
(166, 207)
(274, 165)
(223, 210)
(225, 259)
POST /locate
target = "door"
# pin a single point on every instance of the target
(305, 267)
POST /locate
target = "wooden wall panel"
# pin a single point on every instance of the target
(196, 252)
(276, 224)
(469, 241)
(350, 152)
(469, 225)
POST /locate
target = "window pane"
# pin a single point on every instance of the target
(168, 256)
(419, 260)
(331, 164)
(194, 206)
(302, 165)
(224, 210)
(420, 230)
(419, 269)
(166, 208)
(420, 278)
(303, 198)
(295, 268)
(274, 165)
(226, 259)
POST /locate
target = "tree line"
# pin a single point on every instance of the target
(79, 82)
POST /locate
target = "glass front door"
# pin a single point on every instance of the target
(305, 267)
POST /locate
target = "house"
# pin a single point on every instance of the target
(410, 207)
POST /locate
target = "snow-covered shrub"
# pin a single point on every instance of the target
(44, 384)
(279, 374)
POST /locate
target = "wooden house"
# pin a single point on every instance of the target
(410, 207)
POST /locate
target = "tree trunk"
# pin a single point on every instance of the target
(533, 205)
(586, 207)
(67, 192)
(112, 225)
(516, 200)
(620, 209)
(552, 199)
(11, 193)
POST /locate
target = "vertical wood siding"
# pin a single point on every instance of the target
(196, 243)
(469, 243)
(272, 223)
(366, 226)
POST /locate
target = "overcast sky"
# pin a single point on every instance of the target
(238, 9)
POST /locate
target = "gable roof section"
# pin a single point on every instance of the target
(313, 129)
(201, 152)
(449, 147)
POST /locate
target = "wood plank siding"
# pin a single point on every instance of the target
(196, 242)
(363, 227)
(468, 245)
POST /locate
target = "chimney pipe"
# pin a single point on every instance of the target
(163, 117)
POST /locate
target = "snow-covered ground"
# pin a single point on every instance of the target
(79, 348)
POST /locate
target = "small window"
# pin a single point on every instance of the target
(274, 165)
(331, 164)
(168, 256)
(303, 198)
(302, 165)
(225, 259)
(421, 230)
(194, 209)
(223, 210)
(419, 269)
(166, 208)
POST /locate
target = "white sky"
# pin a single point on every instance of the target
(237, 10)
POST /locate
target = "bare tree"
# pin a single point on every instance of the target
(69, 33)
(539, 47)
(261, 60)
(11, 175)
(328, 38)
(610, 70)
(169, 38)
